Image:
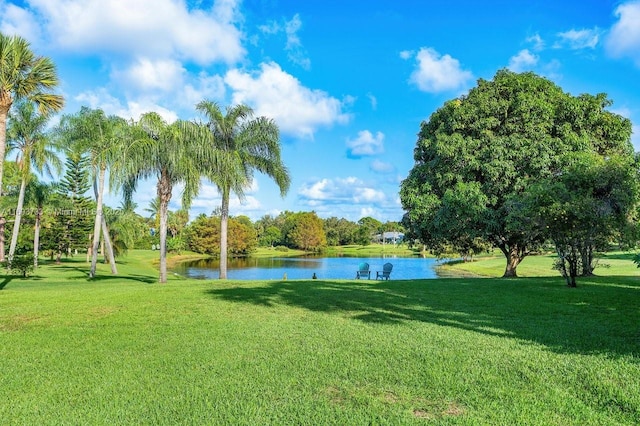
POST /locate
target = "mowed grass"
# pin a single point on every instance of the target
(126, 350)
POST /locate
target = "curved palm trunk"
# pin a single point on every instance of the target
(97, 223)
(224, 221)
(36, 237)
(107, 239)
(109, 247)
(164, 195)
(16, 223)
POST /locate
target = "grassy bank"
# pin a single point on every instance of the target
(125, 350)
(608, 264)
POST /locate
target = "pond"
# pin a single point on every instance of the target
(275, 268)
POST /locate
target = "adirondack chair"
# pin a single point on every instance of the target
(363, 270)
(386, 271)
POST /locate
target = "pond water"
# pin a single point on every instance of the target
(404, 268)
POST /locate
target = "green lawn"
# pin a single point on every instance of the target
(126, 350)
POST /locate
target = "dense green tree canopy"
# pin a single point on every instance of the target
(478, 154)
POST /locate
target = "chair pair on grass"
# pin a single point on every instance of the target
(363, 270)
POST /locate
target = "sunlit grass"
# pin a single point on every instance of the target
(609, 264)
(126, 350)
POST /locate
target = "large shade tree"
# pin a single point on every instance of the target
(247, 144)
(23, 75)
(477, 155)
(27, 137)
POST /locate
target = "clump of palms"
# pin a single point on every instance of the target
(102, 138)
(26, 132)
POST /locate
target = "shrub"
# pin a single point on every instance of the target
(21, 263)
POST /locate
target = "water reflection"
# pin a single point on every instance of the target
(304, 267)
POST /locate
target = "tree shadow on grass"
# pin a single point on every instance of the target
(7, 279)
(83, 274)
(600, 316)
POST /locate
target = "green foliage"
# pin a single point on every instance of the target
(593, 202)
(340, 232)
(75, 182)
(478, 154)
(203, 236)
(176, 245)
(21, 264)
(305, 231)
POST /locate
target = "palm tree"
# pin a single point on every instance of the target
(251, 144)
(39, 194)
(163, 151)
(154, 211)
(24, 76)
(102, 137)
(26, 133)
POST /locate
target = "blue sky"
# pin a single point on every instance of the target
(348, 82)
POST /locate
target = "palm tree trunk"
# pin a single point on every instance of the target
(36, 237)
(16, 223)
(5, 104)
(97, 223)
(109, 247)
(224, 221)
(164, 195)
(3, 222)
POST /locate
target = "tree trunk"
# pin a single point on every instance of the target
(514, 257)
(109, 247)
(97, 223)
(36, 238)
(16, 223)
(587, 260)
(3, 222)
(224, 221)
(106, 246)
(5, 105)
(164, 195)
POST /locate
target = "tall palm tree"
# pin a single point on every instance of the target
(102, 138)
(23, 75)
(26, 132)
(163, 151)
(250, 144)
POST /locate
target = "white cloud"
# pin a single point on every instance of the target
(382, 167)
(273, 93)
(152, 75)
(18, 21)
(204, 87)
(579, 39)
(624, 36)
(348, 190)
(293, 45)
(536, 41)
(523, 61)
(366, 144)
(153, 28)
(407, 54)
(437, 73)
(373, 100)
(133, 109)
